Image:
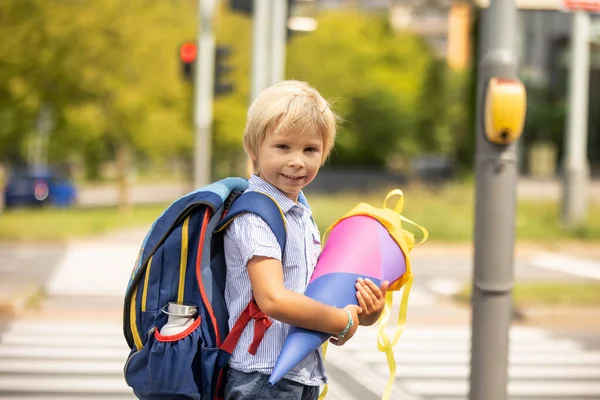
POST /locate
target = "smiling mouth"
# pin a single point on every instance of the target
(293, 177)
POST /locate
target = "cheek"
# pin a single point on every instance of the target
(314, 165)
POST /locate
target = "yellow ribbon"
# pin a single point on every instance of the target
(392, 220)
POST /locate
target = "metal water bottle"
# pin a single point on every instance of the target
(181, 317)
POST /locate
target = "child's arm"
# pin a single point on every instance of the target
(266, 278)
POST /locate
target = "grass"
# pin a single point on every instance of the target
(56, 225)
(447, 214)
(528, 294)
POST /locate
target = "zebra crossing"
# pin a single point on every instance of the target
(84, 360)
(63, 360)
(71, 360)
(433, 363)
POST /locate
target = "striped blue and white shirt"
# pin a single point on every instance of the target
(250, 236)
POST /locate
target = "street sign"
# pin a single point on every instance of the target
(528, 4)
(591, 6)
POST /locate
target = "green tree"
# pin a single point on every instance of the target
(108, 70)
(443, 115)
(374, 77)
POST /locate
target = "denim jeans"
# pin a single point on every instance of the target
(255, 386)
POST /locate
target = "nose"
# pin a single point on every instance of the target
(296, 160)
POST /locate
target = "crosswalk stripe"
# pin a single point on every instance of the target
(568, 264)
(446, 346)
(424, 333)
(75, 367)
(33, 339)
(448, 387)
(464, 357)
(54, 328)
(514, 371)
(62, 353)
(86, 384)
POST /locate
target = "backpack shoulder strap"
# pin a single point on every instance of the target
(262, 205)
(269, 211)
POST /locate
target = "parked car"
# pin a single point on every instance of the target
(25, 189)
(434, 168)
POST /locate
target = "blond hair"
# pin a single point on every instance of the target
(286, 108)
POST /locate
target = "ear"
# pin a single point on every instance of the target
(252, 155)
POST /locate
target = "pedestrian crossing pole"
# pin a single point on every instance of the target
(500, 117)
(203, 92)
(576, 169)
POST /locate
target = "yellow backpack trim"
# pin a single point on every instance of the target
(183, 259)
(132, 322)
(146, 279)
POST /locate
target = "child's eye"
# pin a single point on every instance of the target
(282, 146)
(311, 149)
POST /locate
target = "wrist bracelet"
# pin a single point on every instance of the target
(350, 324)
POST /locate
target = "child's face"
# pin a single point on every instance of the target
(290, 162)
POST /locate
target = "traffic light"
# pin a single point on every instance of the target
(188, 52)
(242, 6)
(222, 69)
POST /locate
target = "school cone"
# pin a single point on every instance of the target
(359, 245)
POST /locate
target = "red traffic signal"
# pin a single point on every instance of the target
(188, 52)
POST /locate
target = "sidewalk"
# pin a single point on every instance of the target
(90, 271)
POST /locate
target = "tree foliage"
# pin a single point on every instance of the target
(108, 71)
(375, 78)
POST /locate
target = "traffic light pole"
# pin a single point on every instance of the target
(576, 173)
(496, 181)
(261, 54)
(278, 40)
(203, 92)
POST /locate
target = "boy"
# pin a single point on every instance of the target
(289, 134)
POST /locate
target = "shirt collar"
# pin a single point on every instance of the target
(257, 184)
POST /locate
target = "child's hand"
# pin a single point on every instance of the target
(354, 310)
(371, 299)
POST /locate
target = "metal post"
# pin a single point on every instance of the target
(203, 93)
(278, 40)
(576, 173)
(261, 29)
(496, 181)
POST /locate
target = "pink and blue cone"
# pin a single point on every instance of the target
(358, 246)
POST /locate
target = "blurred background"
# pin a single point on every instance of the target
(97, 138)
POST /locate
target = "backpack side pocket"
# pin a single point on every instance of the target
(168, 367)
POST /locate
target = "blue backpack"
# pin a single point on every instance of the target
(182, 260)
